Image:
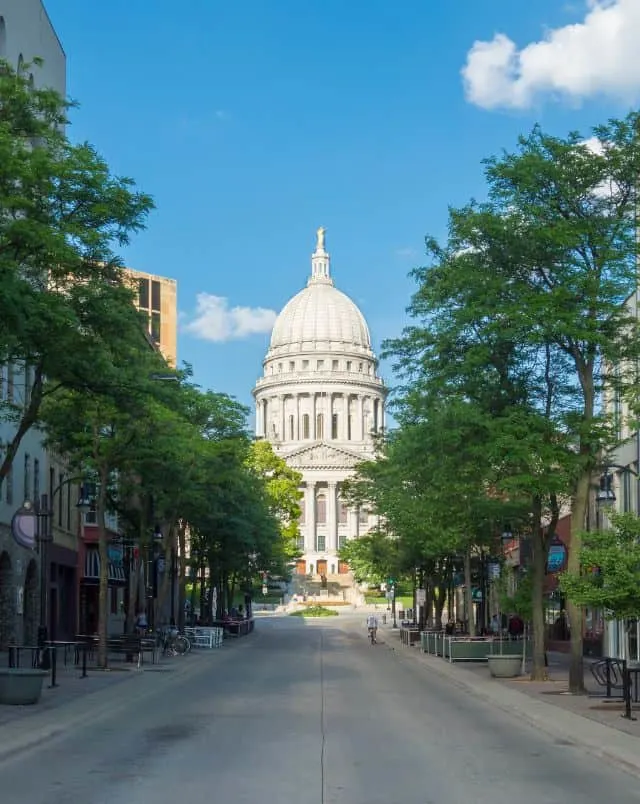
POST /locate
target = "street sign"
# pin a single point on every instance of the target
(264, 590)
(421, 597)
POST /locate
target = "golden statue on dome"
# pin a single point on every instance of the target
(320, 243)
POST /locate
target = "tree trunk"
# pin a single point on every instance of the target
(539, 549)
(103, 550)
(440, 598)
(468, 591)
(182, 574)
(575, 613)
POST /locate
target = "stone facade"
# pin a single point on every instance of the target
(319, 403)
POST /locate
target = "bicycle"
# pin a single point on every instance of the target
(174, 643)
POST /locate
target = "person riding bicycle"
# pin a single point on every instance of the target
(372, 626)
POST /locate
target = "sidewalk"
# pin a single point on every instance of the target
(77, 700)
(582, 720)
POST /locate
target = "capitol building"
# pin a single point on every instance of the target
(319, 403)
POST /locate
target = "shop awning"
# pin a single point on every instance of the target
(117, 575)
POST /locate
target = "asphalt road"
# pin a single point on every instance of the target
(311, 714)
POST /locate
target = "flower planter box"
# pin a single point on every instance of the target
(506, 665)
(20, 686)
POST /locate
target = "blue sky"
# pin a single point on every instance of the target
(254, 123)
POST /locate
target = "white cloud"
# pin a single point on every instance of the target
(215, 321)
(597, 56)
(407, 251)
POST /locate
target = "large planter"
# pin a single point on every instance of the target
(506, 665)
(20, 686)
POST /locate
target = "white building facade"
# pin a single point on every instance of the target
(319, 403)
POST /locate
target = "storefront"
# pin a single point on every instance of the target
(89, 590)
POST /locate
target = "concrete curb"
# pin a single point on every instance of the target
(599, 740)
(40, 727)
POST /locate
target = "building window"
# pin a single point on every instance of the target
(300, 542)
(363, 516)
(343, 512)
(321, 542)
(279, 368)
(292, 365)
(26, 397)
(143, 293)
(36, 480)
(305, 425)
(9, 488)
(334, 425)
(305, 364)
(320, 365)
(303, 511)
(375, 416)
(360, 367)
(349, 427)
(342, 540)
(27, 477)
(60, 501)
(291, 429)
(348, 365)
(321, 509)
(155, 327)
(319, 426)
(69, 507)
(10, 382)
(155, 296)
(335, 365)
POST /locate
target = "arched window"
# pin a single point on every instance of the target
(305, 425)
(319, 426)
(321, 509)
(292, 434)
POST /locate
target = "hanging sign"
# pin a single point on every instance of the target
(557, 557)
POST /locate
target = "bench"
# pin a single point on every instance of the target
(127, 644)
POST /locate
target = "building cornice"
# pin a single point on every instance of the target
(296, 382)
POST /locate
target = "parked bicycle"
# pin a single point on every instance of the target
(173, 642)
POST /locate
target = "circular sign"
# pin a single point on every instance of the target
(24, 527)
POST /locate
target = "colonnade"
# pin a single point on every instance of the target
(322, 533)
(319, 416)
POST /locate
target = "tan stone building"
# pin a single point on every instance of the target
(157, 296)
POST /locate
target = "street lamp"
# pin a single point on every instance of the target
(152, 574)
(32, 527)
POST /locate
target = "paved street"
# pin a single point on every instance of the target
(309, 714)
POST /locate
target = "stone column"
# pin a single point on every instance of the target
(345, 418)
(283, 431)
(314, 413)
(310, 535)
(353, 523)
(296, 425)
(332, 519)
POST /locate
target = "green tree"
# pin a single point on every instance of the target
(282, 486)
(541, 269)
(608, 577)
(62, 290)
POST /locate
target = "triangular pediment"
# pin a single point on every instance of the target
(321, 455)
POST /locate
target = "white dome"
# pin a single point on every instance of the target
(320, 317)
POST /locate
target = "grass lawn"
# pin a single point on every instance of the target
(314, 611)
(402, 601)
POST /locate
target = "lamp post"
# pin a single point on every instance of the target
(152, 573)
